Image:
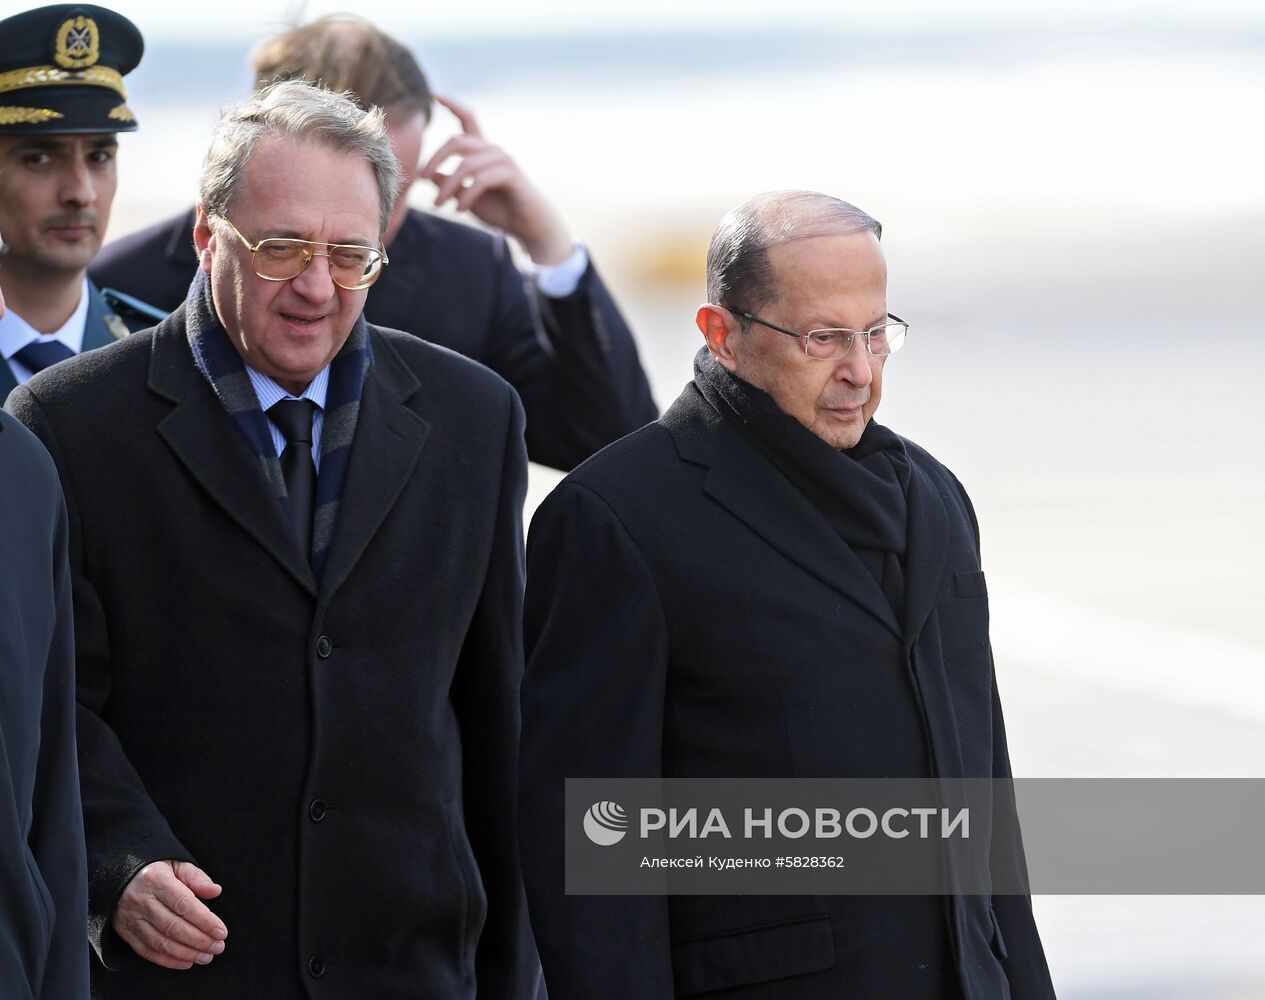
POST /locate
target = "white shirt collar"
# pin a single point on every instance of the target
(16, 333)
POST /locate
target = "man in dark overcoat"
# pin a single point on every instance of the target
(766, 583)
(556, 334)
(43, 884)
(297, 567)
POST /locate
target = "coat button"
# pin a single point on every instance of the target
(316, 966)
(324, 647)
(316, 810)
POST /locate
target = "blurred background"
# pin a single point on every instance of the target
(1074, 220)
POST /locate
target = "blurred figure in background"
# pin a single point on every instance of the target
(557, 337)
(64, 103)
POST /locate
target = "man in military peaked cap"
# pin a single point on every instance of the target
(62, 103)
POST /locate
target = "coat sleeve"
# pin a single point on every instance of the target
(593, 700)
(123, 829)
(485, 695)
(56, 838)
(1022, 955)
(573, 362)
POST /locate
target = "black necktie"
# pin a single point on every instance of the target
(37, 356)
(294, 417)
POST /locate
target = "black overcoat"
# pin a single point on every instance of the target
(690, 614)
(572, 360)
(43, 885)
(341, 757)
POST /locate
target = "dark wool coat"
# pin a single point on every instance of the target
(572, 360)
(43, 886)
(340, 758)
(690, 614)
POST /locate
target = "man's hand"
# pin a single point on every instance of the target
(489, 184)
(160, 914)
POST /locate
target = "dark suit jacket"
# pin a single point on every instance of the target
(690, 614)
(43, 885)
(101, 327)
(572, 360)
(340, 758)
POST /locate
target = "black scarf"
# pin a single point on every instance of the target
(861, 491)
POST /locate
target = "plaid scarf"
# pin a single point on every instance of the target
(223, 368)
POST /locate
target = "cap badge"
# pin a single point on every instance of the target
(78, 43)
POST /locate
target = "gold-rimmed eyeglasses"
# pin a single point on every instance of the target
(832, 344)
(280, 258)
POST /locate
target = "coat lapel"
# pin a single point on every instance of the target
(928, 540)
(749, 487)
(388, 442)
(205, 441)
(7, 381)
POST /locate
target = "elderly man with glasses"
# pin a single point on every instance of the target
(296, 547)
(766, 583)
(555, 333)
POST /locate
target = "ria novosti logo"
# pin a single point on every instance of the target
(606, 823)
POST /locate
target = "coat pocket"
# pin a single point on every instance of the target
(999, 942)
(753, 955)
(474, 904)
(970, 584)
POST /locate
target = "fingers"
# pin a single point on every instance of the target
(161, 917)
(459, 145)
(154, 946)
(196, 879)
(486, 181)
(469, 170)
(462, 112)
(482, 182)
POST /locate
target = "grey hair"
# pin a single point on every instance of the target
(738, 270)
(296, 109)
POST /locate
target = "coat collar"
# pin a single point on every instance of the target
(389, 441)
(179, 247)
(389, 438)
(214, 452)
(925, 548)
(753, 490)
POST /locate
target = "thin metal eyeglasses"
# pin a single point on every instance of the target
(281, 258)
(832, 344)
